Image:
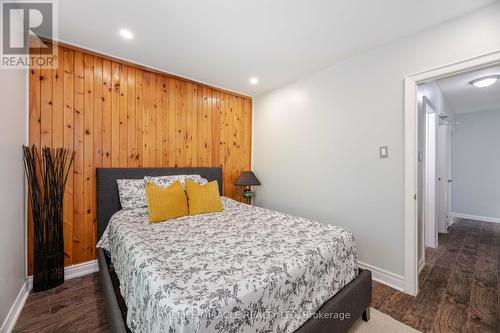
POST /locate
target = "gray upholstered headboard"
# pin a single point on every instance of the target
(108, 200)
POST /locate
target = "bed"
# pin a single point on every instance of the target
(246, 269)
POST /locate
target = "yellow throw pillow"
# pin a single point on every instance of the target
(203, 198)
(165, 203)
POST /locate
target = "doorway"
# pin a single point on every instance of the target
(412, 200)
(453, 111)
(434, 167)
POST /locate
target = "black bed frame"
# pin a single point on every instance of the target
(354, 299)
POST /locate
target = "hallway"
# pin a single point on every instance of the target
(458, 285)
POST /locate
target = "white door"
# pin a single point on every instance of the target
(443, 175)
(449, 182)
(430, 188)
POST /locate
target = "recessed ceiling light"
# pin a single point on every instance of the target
(254, 80)
(484, 82)
(126, 34)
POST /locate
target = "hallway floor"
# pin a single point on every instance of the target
(459, 284)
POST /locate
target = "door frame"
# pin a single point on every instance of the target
(411, 152)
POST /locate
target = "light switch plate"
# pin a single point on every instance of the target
(383, 152)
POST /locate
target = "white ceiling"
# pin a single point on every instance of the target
(465, 98)
(225, 42)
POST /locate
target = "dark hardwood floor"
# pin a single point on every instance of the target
(459, 285)
(75, 306)
(458, 291)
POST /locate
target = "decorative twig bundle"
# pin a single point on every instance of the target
(47, 174)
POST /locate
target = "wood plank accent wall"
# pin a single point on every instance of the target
(116, 114)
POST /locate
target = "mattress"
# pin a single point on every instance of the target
(246, 269)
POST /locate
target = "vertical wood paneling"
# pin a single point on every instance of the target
(230, 143)
(34, 138)
(46, 107)
(138, 117)
(88, 158)
(191, 124)
(152, 121)
(97, 131)
(237, 147)
(118, 115)
(179, 95)
(224, 147)
(165, 135)
(223, 140)
(57, 103)
(115, 114)
(68, 93)
(123, 116)
(131, 140)
(159, 120)
(34, 107)
(145, 118)
(171, 130)
(216, 128)
(247, 133)
(78, 162)
(106, 113)
(98, 114)
(205, 128)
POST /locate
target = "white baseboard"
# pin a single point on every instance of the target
(15, 310)
(74, 271)
(476, 217)
(388, 278)
(82, 269)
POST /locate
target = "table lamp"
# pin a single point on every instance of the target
(247, 179)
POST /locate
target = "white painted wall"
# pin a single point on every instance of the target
(316, 140)
(13, 117)
(476, 164)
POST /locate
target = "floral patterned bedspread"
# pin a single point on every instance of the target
(246, 269)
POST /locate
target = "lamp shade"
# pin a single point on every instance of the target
(247, 178)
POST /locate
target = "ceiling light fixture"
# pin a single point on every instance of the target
(126, 34)
(484, 82)
(254, 80)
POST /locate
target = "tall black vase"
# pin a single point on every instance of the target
(47, 174)
(48, 271)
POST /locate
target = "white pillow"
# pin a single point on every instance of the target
(132, 193)
(167, 180)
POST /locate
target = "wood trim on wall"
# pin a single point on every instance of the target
(117, 114)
